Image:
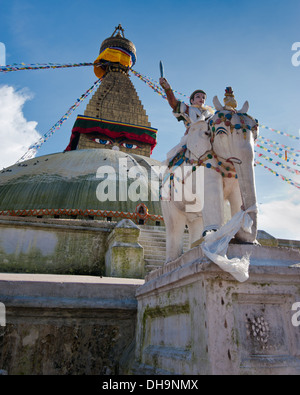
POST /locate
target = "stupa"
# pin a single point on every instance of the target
(114, 130)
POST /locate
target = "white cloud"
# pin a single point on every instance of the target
(281, 218)
(16, 133)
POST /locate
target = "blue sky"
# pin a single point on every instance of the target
(203, 44)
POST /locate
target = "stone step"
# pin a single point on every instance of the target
(160, 235)
(159, 239)
(149, 246)
(157, 242)
(153, 240)
(157, 232)
(148, 241)
(150, 257)
(154, 250)
(150, 268)
(155, 261)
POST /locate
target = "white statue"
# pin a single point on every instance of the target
(224, 147)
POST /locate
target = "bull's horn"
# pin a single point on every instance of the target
(217, 103)
(245, 108)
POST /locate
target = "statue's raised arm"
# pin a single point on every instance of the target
(169, 93)
(189, 114)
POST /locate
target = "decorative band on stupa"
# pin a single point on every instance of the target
(111, 129)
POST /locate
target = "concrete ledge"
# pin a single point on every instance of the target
(60, 223)
(66, 291)
(53, 246)
(64, 324)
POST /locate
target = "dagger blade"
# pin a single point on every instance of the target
(161, 68)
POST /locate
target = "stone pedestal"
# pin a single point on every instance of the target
(125, 256)
(193, 318)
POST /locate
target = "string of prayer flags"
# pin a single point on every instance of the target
(279, 132)
(282, 165)
(40, 66)
(34, 147)
(279, 146)
(288, 180)
(282, 156)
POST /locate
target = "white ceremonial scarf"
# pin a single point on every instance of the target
(215, 245)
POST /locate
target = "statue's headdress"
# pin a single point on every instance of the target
(229, 100)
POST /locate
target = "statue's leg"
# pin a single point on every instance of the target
(175, 221)
(213, 209)
(236, 202)
(195, 231)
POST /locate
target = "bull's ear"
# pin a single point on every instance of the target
(245, 108)
(217, 103)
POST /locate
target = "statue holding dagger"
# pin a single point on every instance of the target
(189, 114)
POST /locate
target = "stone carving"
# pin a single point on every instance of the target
(258, 329)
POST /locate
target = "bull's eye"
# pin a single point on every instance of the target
(221, 130)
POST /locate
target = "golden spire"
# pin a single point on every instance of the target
(119, 29)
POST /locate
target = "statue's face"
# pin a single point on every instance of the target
(199, 99)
